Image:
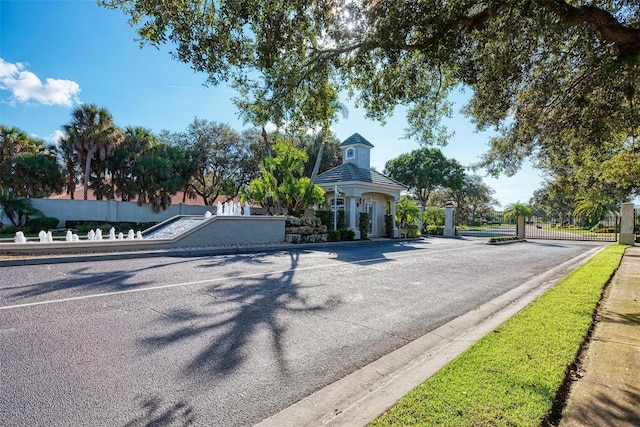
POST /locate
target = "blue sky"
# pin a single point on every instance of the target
(55, 54)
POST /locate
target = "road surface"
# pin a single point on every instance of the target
(230, 340)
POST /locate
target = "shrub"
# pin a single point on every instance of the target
(45, 223)
(411, 230)
(342, 222)
(605, 230)
(363, 224)
(433, 216)
(12, 229)
(434, 230)
(388, 225)
(601, 228)
(83, 227)
(346, 234)
(334, 235)
(498, 239)
(326, 217)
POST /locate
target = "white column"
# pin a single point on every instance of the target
(627, 224)
(449, 226)
(520, 227)
(352, 214)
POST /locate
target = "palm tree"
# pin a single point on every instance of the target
(16, 208)
(596, 207)
(407, 213)
(137, 141)
(515, 210)
(93, 135)
(13, 142)
(70, 166)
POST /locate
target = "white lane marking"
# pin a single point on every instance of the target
(242, 276)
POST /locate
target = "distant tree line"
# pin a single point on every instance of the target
(435, 181)
(207, 159)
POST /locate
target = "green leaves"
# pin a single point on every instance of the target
(27, 167)
(426, 170)
(223, 160)
(407, 212)
(514, 210)
(160, 173)
(281, 189)
(548, 76)
(93, 136)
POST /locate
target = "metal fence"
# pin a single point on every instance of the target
(539, 227)
(487, 226)
(636, 228)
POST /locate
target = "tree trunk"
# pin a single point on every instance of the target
(87, 172)
(267, 144)
(316, 166)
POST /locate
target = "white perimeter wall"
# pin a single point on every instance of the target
(110, 211)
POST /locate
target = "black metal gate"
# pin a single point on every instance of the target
(606, 230)
(487, 226)
(636, 228)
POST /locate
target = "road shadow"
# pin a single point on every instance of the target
(372, 252)
(86, 278)
(251, 305)
(548, 244)
(631, 319)
(351, 252)
(156, 413)
(603, 410)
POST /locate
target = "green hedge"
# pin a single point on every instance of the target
(434, 230)
(388, 225)
(498, 239)
(46, 223)
(83, 227)
(363, 224)
(411, 230)
(346, 234)
(326, 217)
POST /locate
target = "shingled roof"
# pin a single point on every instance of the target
(356, 138)
(348, 172)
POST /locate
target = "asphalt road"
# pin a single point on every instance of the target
(230, 340)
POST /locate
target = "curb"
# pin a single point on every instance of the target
(194, 252)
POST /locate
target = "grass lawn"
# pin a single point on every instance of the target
(574, 230)
(511, 376)
(485, 227)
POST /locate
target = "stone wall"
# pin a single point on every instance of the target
(305, 230)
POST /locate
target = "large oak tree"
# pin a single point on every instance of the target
(424, 171)
(545, 74)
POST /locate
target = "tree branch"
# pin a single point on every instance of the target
(608, 28)
(480, 19)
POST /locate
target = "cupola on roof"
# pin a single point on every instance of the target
(356, 138)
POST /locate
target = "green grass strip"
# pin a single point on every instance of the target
(510, 377)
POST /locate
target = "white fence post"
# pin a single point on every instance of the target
(449, 223)
(520, 227)
(627, 224)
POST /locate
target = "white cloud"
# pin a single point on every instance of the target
(26, 87)
(55, 136)
(270, 127)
